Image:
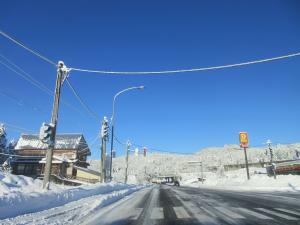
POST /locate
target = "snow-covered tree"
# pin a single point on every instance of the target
(3, 143)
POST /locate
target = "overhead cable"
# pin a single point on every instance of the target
(149, 148)
(27, 48)
(87, 108)
(154, 72)
(26, 75)
(33, 81)
(26, 78)
(189, 70)
(15, 127)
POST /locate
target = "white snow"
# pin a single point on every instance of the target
(237, 180)
(22, 195)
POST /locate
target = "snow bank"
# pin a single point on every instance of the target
(13, 184)
(20, 194)
(237, 180)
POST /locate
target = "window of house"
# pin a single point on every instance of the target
(20, 169)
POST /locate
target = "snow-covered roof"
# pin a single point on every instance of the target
(59, 160)
(62, 141)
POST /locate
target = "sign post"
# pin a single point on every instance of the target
(244, 143)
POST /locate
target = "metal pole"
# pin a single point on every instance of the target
(111, 150)
(127, 157)
(246, 162)
(54, 117)
(113, 124)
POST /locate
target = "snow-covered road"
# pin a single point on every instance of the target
(167, 205)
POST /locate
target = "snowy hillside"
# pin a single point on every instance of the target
(143, 168)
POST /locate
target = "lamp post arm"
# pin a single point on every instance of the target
(119, 93)
(113, 123)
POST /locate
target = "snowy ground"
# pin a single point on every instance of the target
(237, 180)
(22, 200)
(21, 195)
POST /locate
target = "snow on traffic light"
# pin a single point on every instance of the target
(45, 133)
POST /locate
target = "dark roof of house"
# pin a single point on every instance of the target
(62, 141)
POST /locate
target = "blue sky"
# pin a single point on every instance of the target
(183, 112)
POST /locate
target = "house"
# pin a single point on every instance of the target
(87, 175)
(69, 150)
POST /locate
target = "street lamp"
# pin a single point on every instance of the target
(113, 122)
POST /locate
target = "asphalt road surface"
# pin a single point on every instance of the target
(169, 205)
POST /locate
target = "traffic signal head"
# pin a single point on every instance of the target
(104, 129)
(45, 133)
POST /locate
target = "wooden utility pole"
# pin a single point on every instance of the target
(61, 74)
(104, 138)
(127, 158)
(103, 159)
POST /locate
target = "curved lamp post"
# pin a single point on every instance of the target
(113, 122)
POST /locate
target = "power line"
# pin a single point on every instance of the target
(154, 72)
(26, 78)
(33, 81)
(160, 150)
(189, 70)
(118, 141)
(16, 128)
(93, 114)
(21, 102)
(27, 48)
(93, 142)
(149, 148)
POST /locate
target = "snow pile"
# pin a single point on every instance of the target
(237, 180)
(13, 184)
(20, 195)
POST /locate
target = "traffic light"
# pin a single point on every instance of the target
(145, 151)
(104, 129)
(45, 133)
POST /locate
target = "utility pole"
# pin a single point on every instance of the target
(246, 162)
(127, 157)
(271, 150)
(62, 73)
(269, 143)
(104, 139)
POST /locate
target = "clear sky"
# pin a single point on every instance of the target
(183, 112)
